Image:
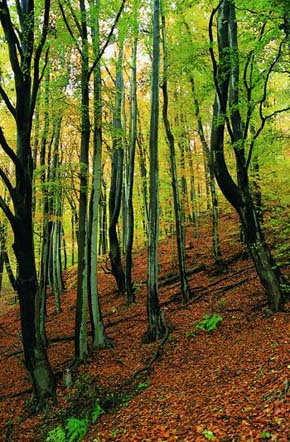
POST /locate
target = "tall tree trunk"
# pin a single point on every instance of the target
(81, 349)
(99, 338)
(156, 326)
(143, 171)
(209, 171)
(25, 57)
(129, 234)
(44, 178)
(116, 180)
(176, 199)
(56, 199)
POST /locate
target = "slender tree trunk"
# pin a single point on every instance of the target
(143, 171)
(177, 210)
(156, 326)
(99, 338)
(116, 181)
(55, 262)
(81, 349)
(209, 170)
(131, 167)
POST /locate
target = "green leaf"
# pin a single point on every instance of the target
(76, 429)
(56, 435)
(209, 323)
(265, 435)
(208, 434)
(97, 411)
(143, 385)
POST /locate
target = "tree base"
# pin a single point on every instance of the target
(156, 332)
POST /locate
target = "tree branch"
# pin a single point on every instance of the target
(101, 53)
(77, 23)
(69, 28)
(7, 183)
(7, 149)
(216, 75)
(7, 212)
(38, 52)
(11, 38)
(262, 102)
(6, 100)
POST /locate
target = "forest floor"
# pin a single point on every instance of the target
(231, 384)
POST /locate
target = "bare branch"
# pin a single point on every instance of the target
(7, 183)
(7, 149)
(6, 100)
(7, 212)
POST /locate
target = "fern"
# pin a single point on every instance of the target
(209, 323)
(56, 435)
(97, 411)
(76, 429)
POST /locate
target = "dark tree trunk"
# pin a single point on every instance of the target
(116, 181)
(129, 234)
(176, 199)
(25, 68)
(226, 81)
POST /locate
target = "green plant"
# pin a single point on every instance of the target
(97, 411)
(143, 385)
(191, 334)
(208, 434)
(209, 322)
(56, 435)
(137, 285)
(265, 435)
(76, 429)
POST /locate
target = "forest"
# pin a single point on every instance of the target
(144, 230)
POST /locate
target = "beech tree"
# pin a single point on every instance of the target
(25, 55)
(115, 196)
(171, 142)
(227, 115)
(156, 326)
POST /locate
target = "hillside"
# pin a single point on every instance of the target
(230, 384)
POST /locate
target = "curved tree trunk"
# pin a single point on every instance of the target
(99, 338)
(116, 181)
(227, 86)
(176, 199)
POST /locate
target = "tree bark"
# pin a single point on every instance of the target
(156, 327)
(99, 338)
(116, 180)
(129, 234)
(226, 77)
(174, 181)
(26, 78)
